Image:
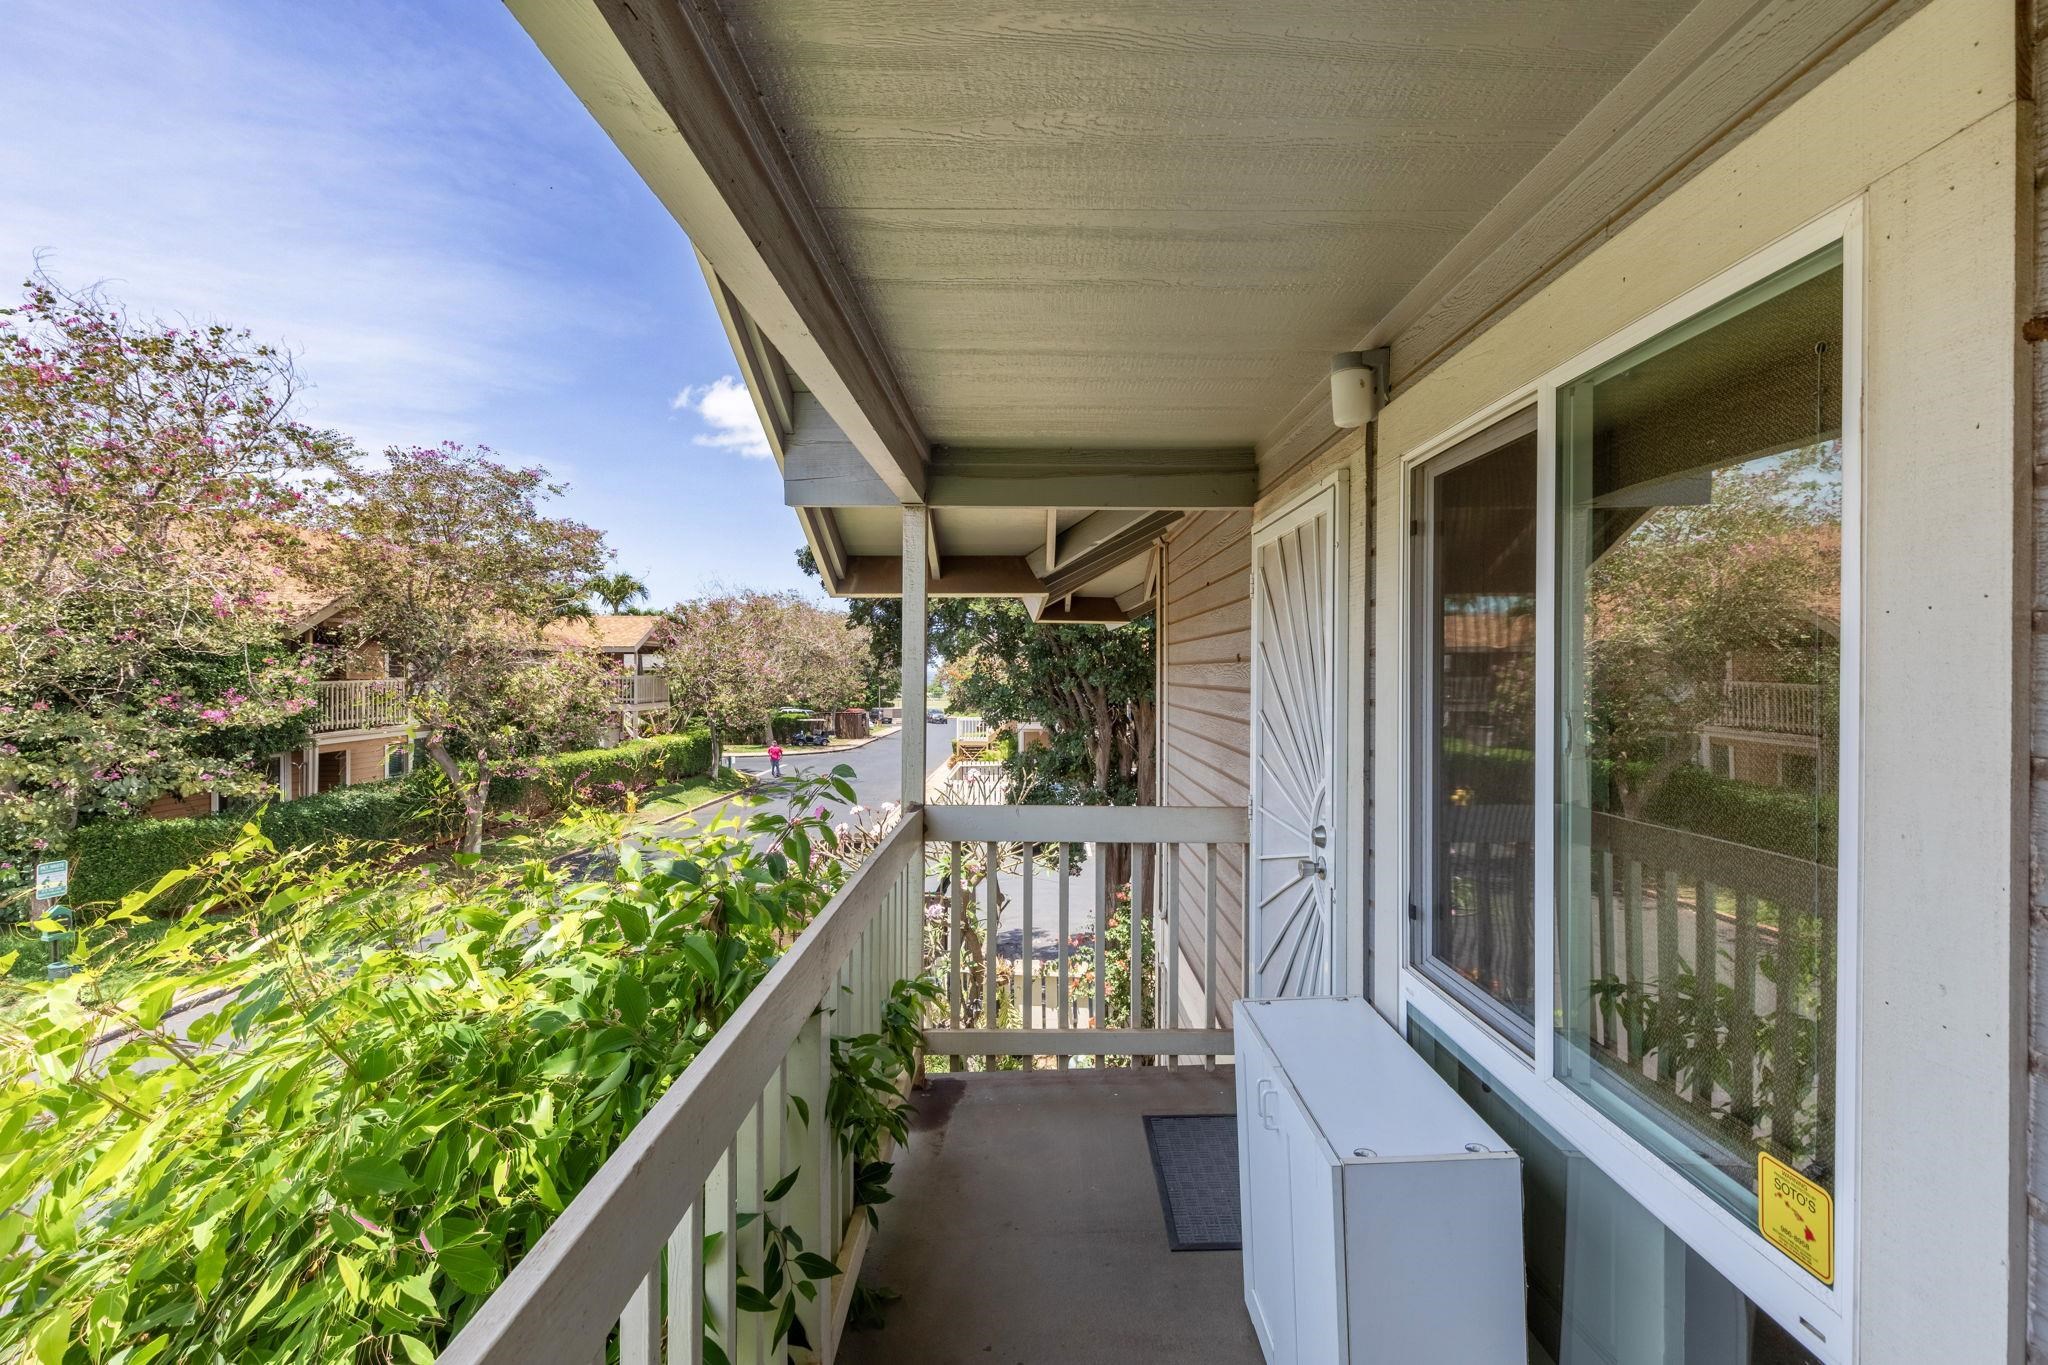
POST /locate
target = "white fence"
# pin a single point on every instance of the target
(359, 704)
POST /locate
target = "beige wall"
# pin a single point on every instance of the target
(1924, 129)
(1205, 723)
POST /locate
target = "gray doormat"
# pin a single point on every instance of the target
(1194, 1157)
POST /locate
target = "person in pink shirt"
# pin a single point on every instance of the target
(774, 759)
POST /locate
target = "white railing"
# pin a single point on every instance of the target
(638, 689)
(359, 704)
(978, 781)
(626, 1261)
(1775, 708)
(1043, 1010)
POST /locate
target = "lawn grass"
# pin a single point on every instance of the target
(660, 803)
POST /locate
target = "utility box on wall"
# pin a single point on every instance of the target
(1382, 1216)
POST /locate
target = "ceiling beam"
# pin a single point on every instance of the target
(965, 576)
(1082, 611)
(821, 468)
(1105, 478)
(667, 83)
(1129, 542)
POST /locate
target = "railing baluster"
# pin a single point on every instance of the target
(1784, 1046)
(1667, 977)
(1101, 954)
(1066, 853)
(954, 911)
(989, 918)
(1706, 951)
(1606, 901)
(1742, 1016)
(640, 1324)
(1025, 1006)
(1209, 887)
(1169, 929)
(686, 1288)
(721, 1209)
(1137, 926)
(750, 1181)
(1632, 935)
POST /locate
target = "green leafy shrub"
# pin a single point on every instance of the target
(412, 1075)
(1777, 820)
(602, 777)
(114, 857)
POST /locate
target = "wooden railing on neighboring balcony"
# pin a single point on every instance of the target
(629, 1253)
(638, 689)
(359, 704)
(1771, 708)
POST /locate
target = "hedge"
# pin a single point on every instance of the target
(1692, 798)
(635, 763)
(114, 857)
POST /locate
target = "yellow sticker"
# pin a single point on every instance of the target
(1796, 1216)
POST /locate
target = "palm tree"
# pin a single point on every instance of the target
(615, 590)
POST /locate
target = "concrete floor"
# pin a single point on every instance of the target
(1026, 1229)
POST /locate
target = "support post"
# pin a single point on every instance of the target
(914, 724)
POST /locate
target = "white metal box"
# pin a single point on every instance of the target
(1382, 1216)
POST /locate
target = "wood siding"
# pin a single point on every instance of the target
(1205, 647)
(2037, 882)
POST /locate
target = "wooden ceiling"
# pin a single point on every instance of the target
(1150, 224)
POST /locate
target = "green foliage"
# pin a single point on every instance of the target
(142, 466)
(114, 857)
(604, 777)
(1775, 819)
(410, 1078)
(866, 1103)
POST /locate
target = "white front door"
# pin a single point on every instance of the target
(1294, 931)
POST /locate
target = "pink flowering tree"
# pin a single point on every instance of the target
(735, 657)
(142, 648)
(453, 565)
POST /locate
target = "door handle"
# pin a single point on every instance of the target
(1312, 867)
(1266, 1118)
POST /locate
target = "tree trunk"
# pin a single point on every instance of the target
(473, 797)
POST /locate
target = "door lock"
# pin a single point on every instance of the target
(1319, 836)
(1312, 867)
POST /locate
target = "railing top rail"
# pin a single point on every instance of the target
(1088, 824)
(571, 1287)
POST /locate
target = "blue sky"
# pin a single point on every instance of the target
(408, 196)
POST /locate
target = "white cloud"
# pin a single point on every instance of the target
(727, 408)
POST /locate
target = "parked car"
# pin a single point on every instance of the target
(936, 717)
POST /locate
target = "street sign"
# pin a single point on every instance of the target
(53, 879)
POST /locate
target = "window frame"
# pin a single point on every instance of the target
(1423, 478)
(1820, 1316)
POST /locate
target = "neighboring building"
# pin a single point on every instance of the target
(1045, 305)
(633, 678)
(360, 719)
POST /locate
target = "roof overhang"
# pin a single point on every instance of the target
(1028, 276)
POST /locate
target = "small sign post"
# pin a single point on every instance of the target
(53, 879)
(53, 883)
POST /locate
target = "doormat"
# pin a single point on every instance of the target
(1194, 1157)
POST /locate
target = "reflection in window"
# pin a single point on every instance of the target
(1700, 554)
(1479, 857)
(1608, 1283)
